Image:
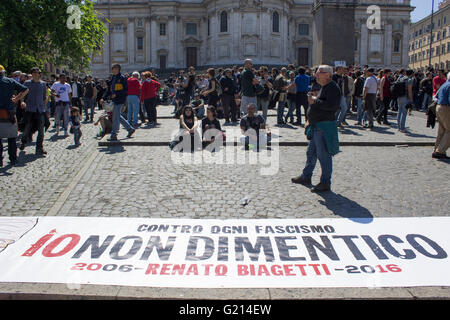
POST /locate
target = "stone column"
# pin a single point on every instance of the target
(130, 40)
(215, 28)
(148, 48)
(107, 48)
(363, 57)
(154, 36)
(405, 45)
(236, 33)
(283, 29)
(172, 41)
(388, 42)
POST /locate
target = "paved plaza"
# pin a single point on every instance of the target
(144, 181)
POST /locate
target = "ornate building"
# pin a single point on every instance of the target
(165, 34)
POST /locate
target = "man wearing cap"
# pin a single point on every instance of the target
(8, 120)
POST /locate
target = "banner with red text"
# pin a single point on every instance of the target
(191, 253)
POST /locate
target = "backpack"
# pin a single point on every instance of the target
(398, 88)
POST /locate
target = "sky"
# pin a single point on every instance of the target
(423, 9)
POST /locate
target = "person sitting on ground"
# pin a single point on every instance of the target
(251, 124)
(210, 123)
(105, 121)
(188, 130)
(198, 106)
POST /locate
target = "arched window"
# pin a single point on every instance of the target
(275, 22)
(223, 22)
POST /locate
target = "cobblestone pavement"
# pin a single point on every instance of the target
(416, 125)
(145, 182)
(135, 181)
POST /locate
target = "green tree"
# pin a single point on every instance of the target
(34, 32)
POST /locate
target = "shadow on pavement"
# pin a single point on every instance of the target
(112, 150)
(415, 135)
(346, 208)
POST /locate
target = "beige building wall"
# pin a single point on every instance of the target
(420, 40)
(154, 33)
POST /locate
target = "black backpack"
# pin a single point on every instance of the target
(398, 88)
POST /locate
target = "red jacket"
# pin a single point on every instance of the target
(149, 89)
(133, 87)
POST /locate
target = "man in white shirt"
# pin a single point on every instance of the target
(63, 97)
(370, 96)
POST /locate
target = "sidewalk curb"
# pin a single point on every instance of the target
(119, 143)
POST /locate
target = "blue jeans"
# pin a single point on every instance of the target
(89, 104)
(118, 118)
(62, 110)
(402, 112)
(200, 113)
(317, 149)
(292, 104)
(426, 101)
(340, 115)
(263, 104)
(133, 109)
(77, 135)
(280, 111)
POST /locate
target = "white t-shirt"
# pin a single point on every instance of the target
(63, 90)
(74, 90)
(372, 85)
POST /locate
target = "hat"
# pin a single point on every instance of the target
(2, 68)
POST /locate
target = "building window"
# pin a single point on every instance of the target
(443, 49)
(275, 22)
(444, 33)
(140, 43)
(224, 22)
(445, 21)
(397, 45)
(438, 36)
(139, 23)
(303, 29)
(191, 28)
(118, 27)
(448, 47)
(162, 29)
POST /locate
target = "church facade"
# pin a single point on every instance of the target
(166, 34)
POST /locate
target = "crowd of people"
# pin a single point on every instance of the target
(235, 94)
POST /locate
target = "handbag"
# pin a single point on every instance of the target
(108, 106)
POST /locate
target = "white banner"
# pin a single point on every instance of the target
(190, 253)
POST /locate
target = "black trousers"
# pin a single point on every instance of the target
(301, 100)
(383, 113)
(12, 149)
(34, 121)
(76, 102)
(150, 108)
(229, 107)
